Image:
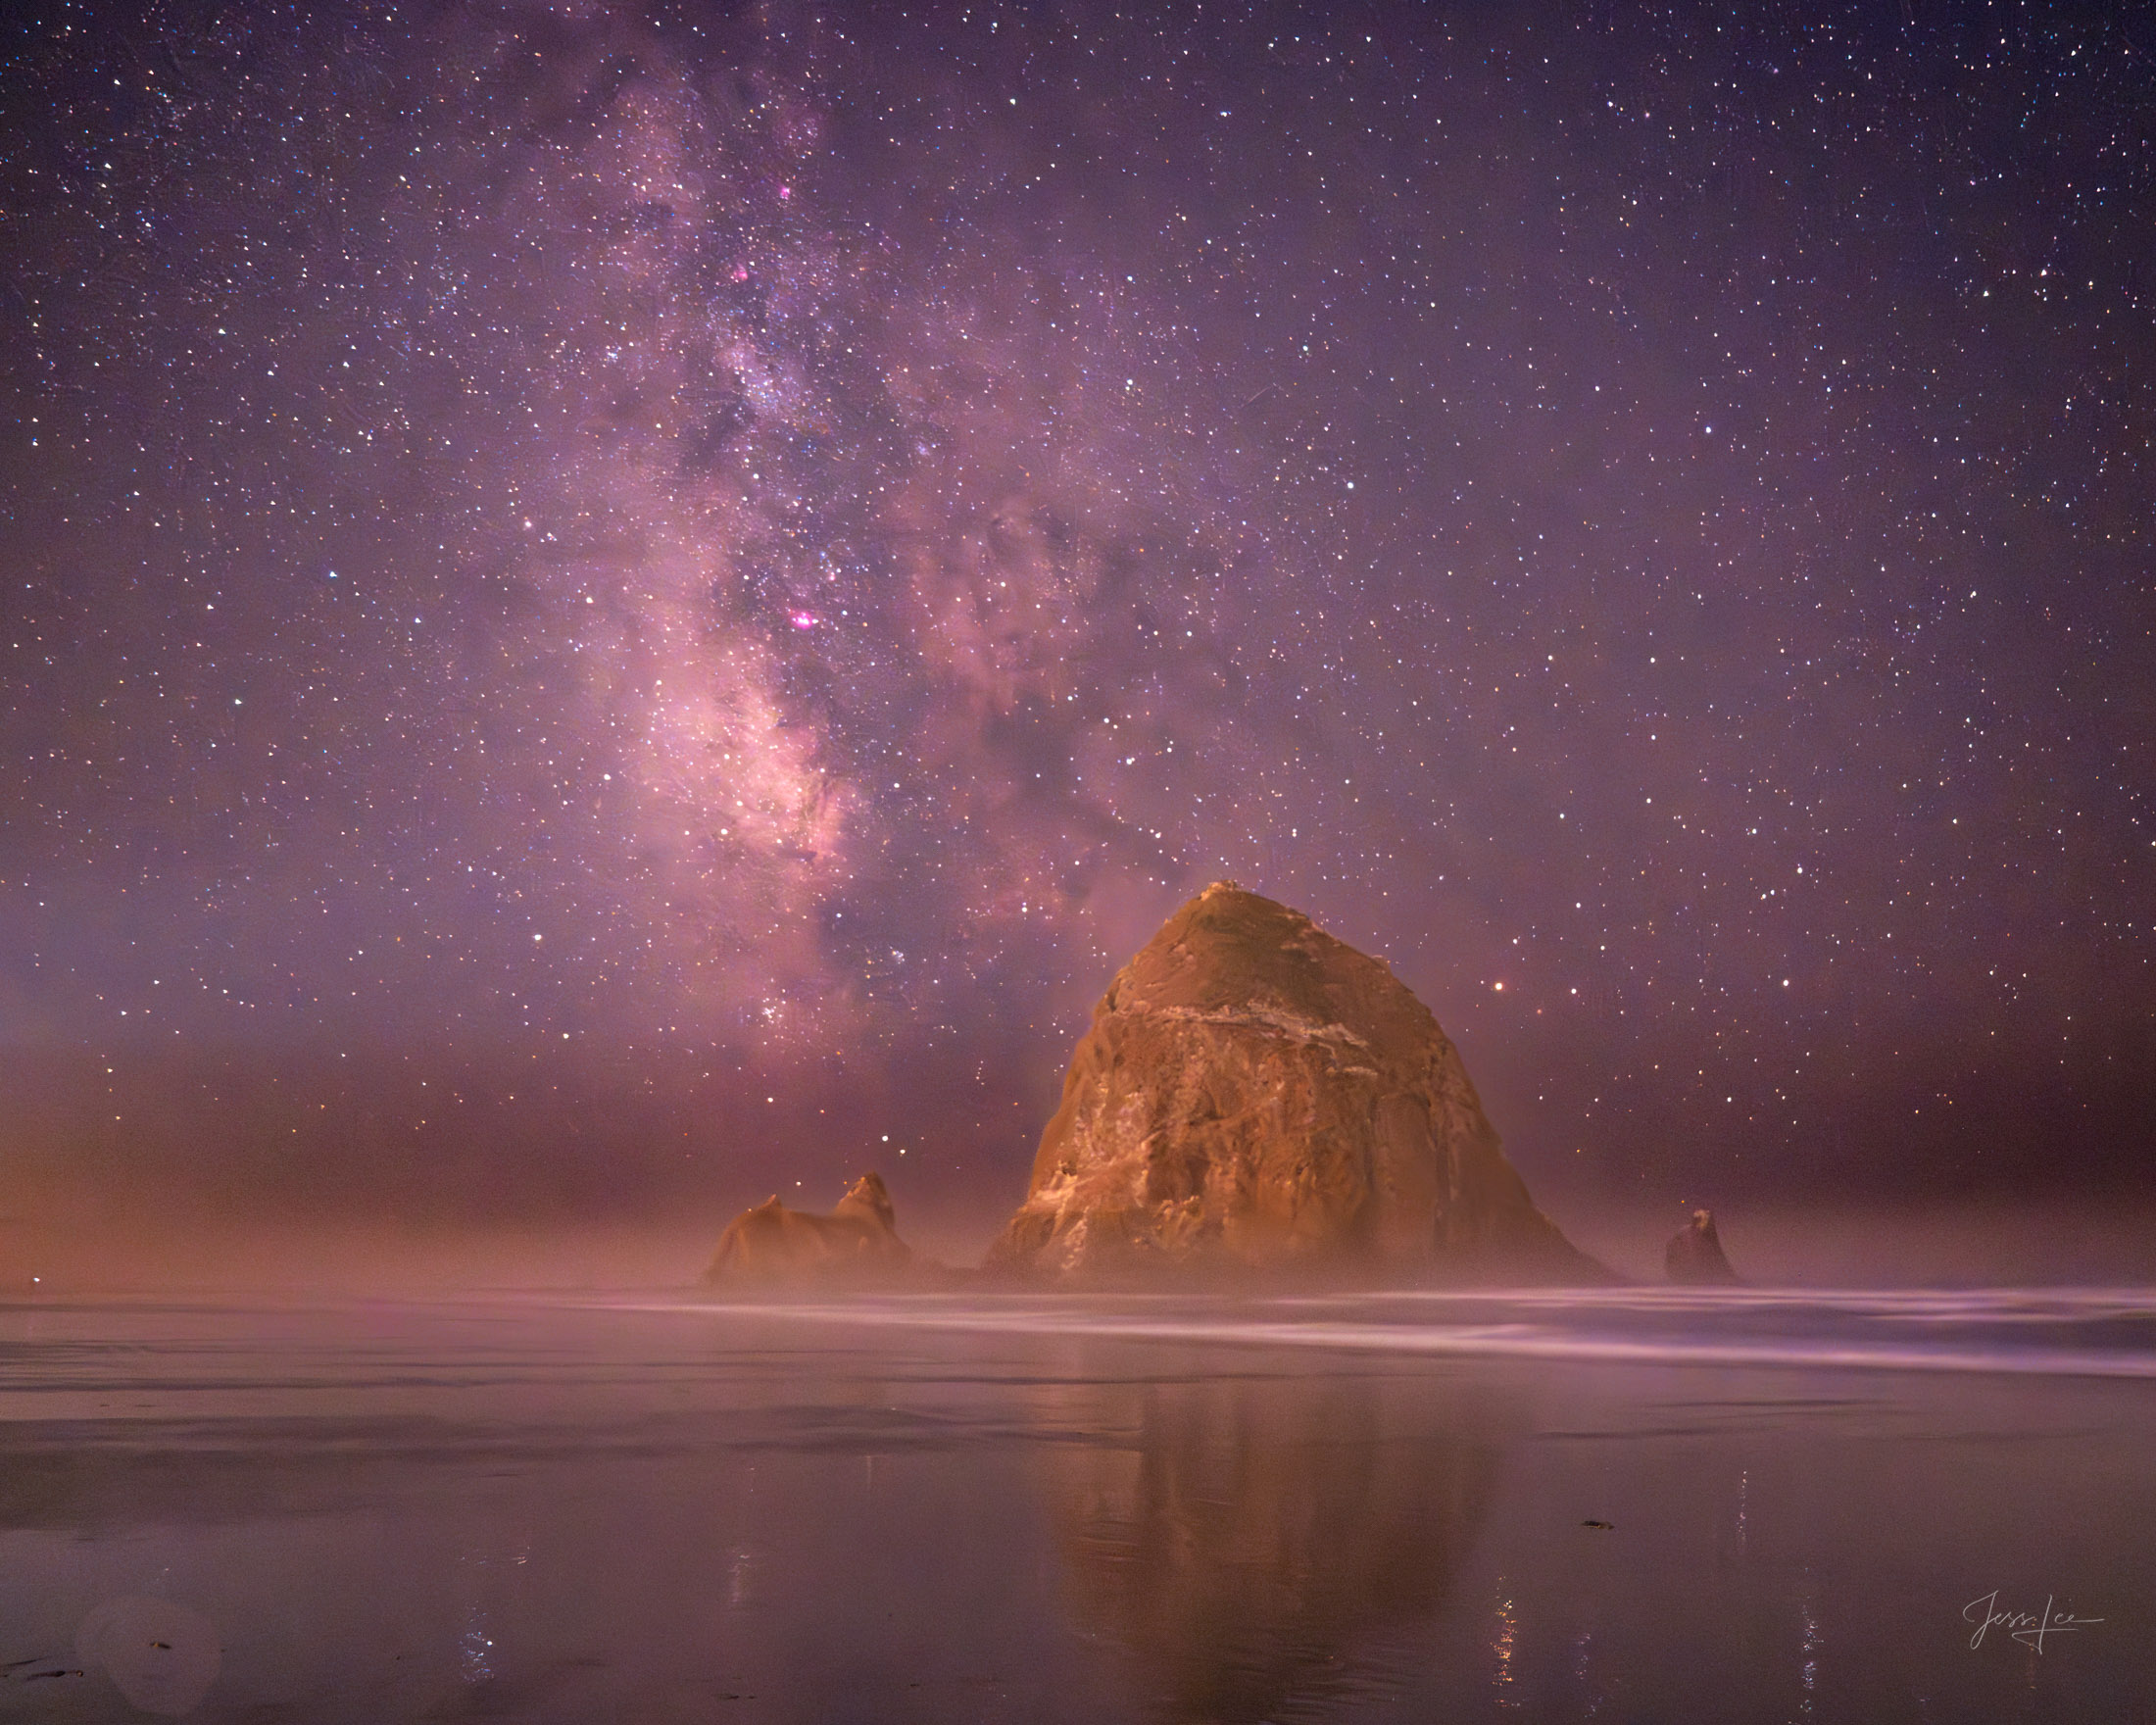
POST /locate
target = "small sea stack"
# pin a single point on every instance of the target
(1256, 1095)
(1695, 1256)
(856, 1243)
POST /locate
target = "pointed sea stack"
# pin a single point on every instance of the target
(1256, 1095)
(1695, 1255)
(857, 1242)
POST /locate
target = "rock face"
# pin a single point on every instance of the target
(1696, 1253)
(857, 1242)
(1256, 1093)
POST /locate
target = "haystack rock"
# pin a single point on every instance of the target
(1256, 1094)
(857, 1242)
(1695, 1254)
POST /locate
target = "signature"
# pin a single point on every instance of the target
(2025, 1627)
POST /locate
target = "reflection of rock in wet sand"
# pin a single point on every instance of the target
(1253, 1535)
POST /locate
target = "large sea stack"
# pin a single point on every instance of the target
(1256, 1094)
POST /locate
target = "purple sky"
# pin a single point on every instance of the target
(603, 604)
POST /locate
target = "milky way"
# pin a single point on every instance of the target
(603, 600)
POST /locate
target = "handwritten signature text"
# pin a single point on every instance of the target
(2027, 1628)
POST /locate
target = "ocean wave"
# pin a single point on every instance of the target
(2060, 1332)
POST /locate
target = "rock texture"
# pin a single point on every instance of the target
(1696, 1253)
(1256, 1093)
(857, 1242)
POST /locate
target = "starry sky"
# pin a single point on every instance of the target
(606, 606)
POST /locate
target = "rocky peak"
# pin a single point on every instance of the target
(856, 1241)
(1255, 1092)
(868, 1195)
(1695, 1253)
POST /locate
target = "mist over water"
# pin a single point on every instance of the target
(136, 1238)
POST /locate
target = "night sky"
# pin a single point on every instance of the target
(603, 608)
